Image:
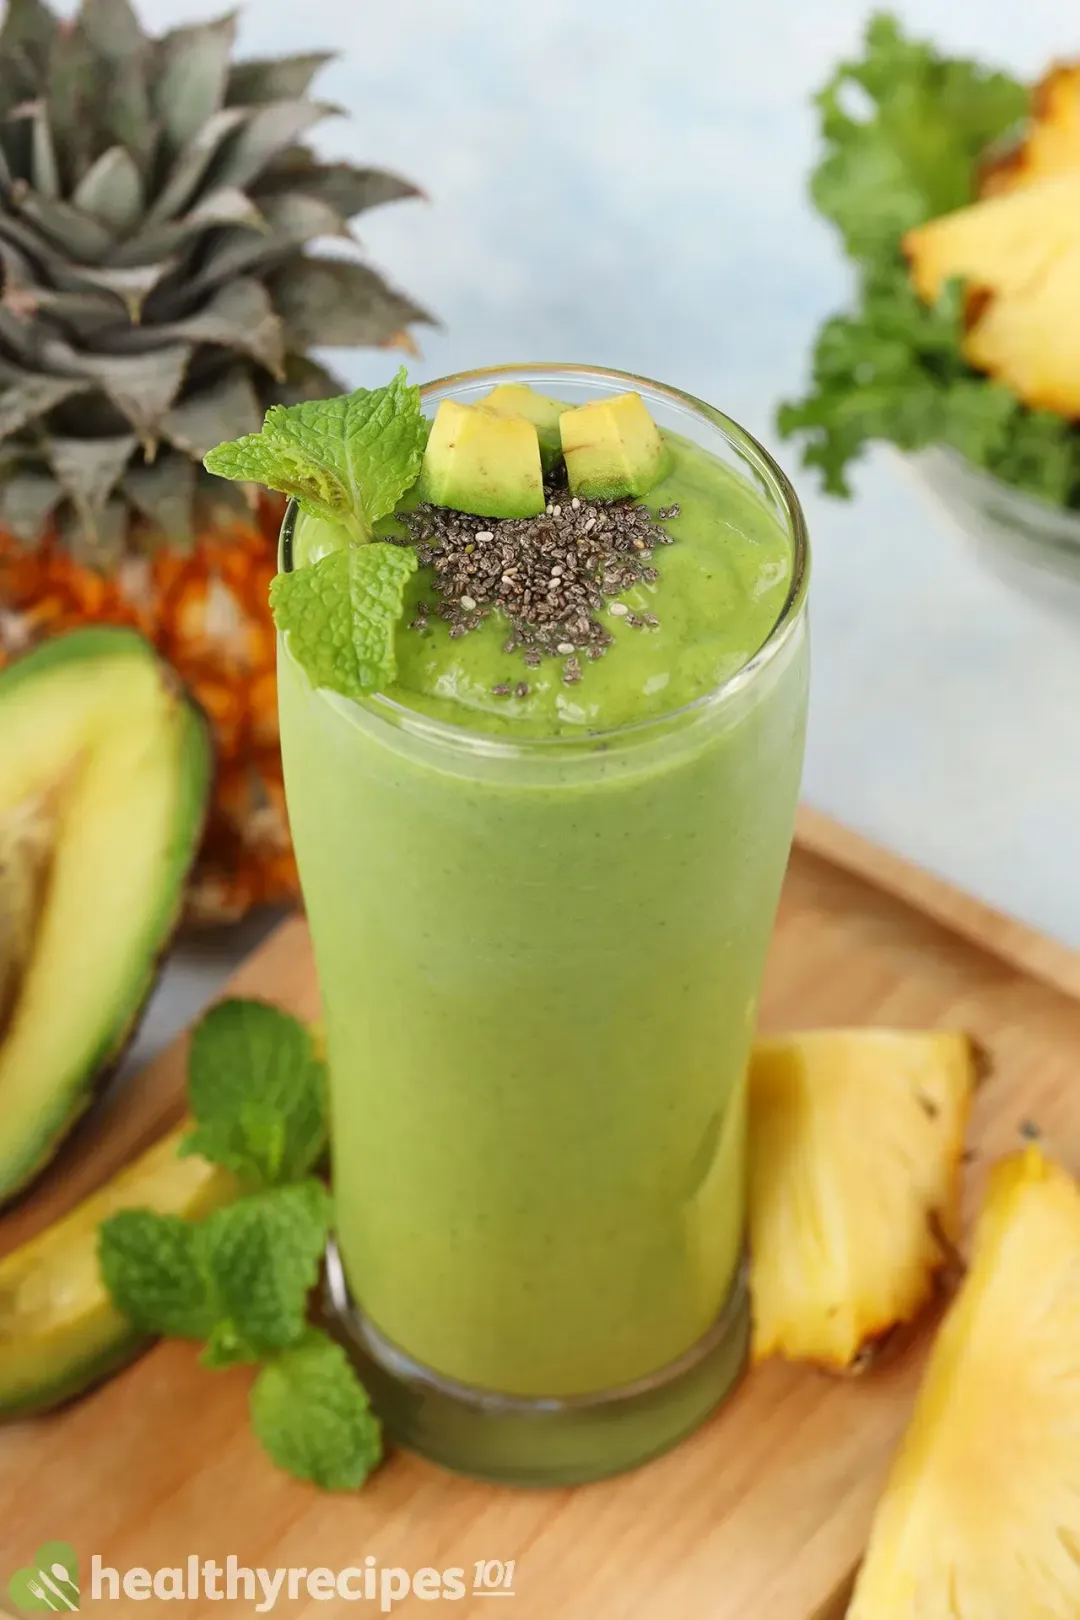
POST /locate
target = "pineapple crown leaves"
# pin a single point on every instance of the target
(157, 200)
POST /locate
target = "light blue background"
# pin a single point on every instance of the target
(623, 181)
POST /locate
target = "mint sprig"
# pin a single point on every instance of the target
(341, 615)
(239, 1280)
(313, 1417)
(348, 460)
(257, 1089)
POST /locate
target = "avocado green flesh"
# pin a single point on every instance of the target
(99, 720)
(59, 1330)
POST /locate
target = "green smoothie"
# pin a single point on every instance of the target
(540, 911)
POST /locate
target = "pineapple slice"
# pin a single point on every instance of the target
(856, 1138)
(1051, 143)
(981, 1514)
(1021, 255)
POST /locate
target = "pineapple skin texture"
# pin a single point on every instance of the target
(980, 1519)
(856, 1140)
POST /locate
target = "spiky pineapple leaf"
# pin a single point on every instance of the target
(112, 28)
(227, 206)
(237, 253)
(27, 398)
(88, 470)
(26, 36)
(226, 410)
(164, 491)
(284, 78)
(192, 76)
(142, 387)
(24, 341)
(190, 168)
(100, 546)
(76, 234)
(123, 106)
(339, 303)
(44, 168)
(345, 188)
(111, 191)
(239, 317)
(131, 286)
(82, 315)
(264, 133)
(73, 77)
(296, 218)
(27, 501)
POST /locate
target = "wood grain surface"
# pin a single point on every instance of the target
(760, 1516)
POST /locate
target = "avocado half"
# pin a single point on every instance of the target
(60, 1332)
(105, 770)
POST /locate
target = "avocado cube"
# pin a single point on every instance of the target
(612, 448)
(481, 462)
(518, 399)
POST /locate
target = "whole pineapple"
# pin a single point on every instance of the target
(156, 205)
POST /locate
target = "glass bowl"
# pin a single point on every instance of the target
(1028, 543)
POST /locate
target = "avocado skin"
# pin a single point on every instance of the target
(78, 1378)
(46, 1363)
(58, 1120)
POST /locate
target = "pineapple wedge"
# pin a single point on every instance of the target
(980, 1519)
(1051, 143)
(1020, 254)
(856, 1139)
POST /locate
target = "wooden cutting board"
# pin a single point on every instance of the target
(762, 1514)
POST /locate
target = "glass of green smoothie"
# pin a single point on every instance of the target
(541, 860)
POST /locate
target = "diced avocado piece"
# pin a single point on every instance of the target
(106, 769)
(612, 448)
(478, 461)
(518, 399)
(60, 1333)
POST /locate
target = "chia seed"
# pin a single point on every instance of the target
(548, 575)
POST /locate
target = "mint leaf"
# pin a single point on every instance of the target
(261, 1259)
(341, 615)
(151, 1268)
(348, 460)
(311, 1413)
(238, 1279)
(258, 1093)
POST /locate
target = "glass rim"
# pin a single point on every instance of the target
(747, 447)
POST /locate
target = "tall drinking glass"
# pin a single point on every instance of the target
(540, 958)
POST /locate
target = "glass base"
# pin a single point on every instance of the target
(515, 1441)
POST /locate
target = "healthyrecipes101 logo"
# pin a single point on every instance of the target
(51, 1582)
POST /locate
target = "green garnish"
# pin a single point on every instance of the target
(258, 1091)
(893, 370)
(347, 461)
(313, 1417)
(341, 615)
(239, 1279)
